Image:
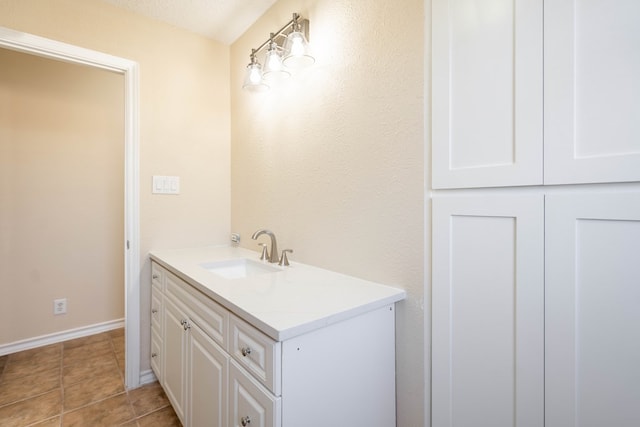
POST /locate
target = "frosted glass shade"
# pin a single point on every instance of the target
(274, 71)
(253, 78)
(296, 51)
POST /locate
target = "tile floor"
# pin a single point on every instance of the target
(78, 383)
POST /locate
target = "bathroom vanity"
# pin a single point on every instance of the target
(240, 342)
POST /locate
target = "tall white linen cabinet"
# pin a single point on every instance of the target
(536, 213)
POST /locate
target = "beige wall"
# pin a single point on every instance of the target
(184, 117)
(333, 162)
(61, 195)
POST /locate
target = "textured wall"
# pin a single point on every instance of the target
(61, 195)
(184, 117)
(333, 162)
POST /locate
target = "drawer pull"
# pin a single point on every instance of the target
(245, 352)
(245, 421)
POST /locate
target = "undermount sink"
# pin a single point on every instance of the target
(238, 268)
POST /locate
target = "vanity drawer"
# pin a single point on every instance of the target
(257, 353)
(157, 276)
(211, 317)
(250, 403)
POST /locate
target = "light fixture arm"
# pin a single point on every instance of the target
(295, 22)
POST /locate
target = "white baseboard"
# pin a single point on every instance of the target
(60, 336)
(147, 377)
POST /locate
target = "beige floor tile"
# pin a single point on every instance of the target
(25, 367)
(92, 390)
(33, 410)
(148, 398)
(91, 368)
(85, 352)
(20, 388)
(115, 333)
(51, 422)
(162, 418)
(121, 361)
(118, 344)
(113, 411)
(37, 354)
(78, 342)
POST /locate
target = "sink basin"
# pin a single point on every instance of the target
(238, 268)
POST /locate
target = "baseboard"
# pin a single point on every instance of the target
(147, 377)
(60, 336)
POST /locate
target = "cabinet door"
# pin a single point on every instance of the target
(592, 317)
(487, 330)
(592, 114)
(174, 357)
(487, 93)
(207, 381)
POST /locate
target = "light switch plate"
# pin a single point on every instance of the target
(165, 184)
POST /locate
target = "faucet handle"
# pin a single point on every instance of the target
(283, 258)
(265, 253)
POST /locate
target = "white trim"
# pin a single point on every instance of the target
(147, 377)
(47, 48)
(60, 336)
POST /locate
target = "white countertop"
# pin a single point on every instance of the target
(292, 301)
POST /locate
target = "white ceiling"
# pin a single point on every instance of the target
(221, 20)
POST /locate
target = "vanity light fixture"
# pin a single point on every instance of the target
(284, 51)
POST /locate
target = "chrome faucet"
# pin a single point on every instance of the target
(273, 253)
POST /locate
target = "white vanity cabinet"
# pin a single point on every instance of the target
(218, 369)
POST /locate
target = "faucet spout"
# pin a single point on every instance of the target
(273, 254)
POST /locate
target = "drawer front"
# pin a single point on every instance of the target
(156, 356)
(257, 353)
(251, 404)
(211, 317)
(156, 310)
(157, 276)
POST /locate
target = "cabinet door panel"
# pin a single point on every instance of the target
(592, 114)
(592, 317)
(487, 93)
(487, 352)
(207, 379)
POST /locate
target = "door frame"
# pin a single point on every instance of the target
(47, 48)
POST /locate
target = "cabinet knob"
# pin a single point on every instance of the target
(153, 355)
(155, 276)
(154, 310)
(245, 352)
(245, 421)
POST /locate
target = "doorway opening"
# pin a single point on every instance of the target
(39, 46)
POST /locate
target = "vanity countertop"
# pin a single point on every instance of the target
(292, 301)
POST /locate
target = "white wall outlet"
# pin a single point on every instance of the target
(59, 306)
